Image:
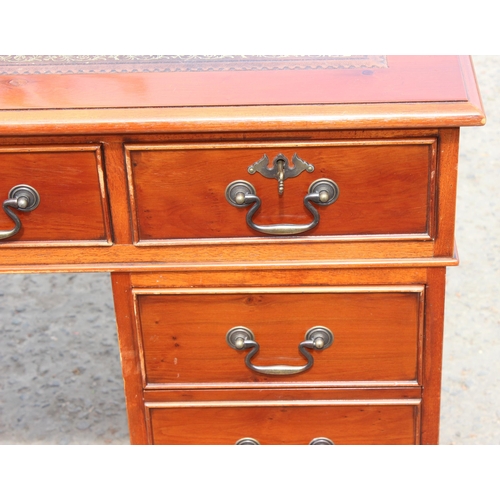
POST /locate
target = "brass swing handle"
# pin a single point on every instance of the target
(21, 197)
(322, 192)
(315, 441)
(318, 338)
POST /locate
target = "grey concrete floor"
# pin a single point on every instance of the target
(60, 375)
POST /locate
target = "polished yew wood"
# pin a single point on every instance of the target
(237, 119)
(73, 199)
(306, 275)
(199, 137)
(178, 191)
(132, 169)
(117, 189)
(81, 112)
(377, 334)
(208, 395)
(275, 422)
(433, 353)
(131, 367)
(310, 255)
(303, 247)
(447, 191)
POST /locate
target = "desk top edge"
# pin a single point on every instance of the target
(21, 110)
(239, 119)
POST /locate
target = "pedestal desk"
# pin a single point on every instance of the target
(277, 229)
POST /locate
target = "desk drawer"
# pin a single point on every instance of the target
(70, 183)
(275, 422)
(377, 335)
(385, 190)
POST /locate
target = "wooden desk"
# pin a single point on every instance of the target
(277, 232)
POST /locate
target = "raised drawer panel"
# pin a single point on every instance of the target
(386, 189)
(276, 423)
(377, 335)
(73, 201)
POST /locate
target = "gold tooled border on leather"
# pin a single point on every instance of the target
(29, 65)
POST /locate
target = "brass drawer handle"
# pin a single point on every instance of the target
(321, 440)
(21, 197)
(318, 338)
(244, 441)
(322, 192)
(315, 441)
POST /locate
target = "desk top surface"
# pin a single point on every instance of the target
(326, 91)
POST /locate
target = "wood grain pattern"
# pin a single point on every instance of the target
(306, 275)
(118, 193)
(237, 119)
(447, 190)
(180, 193)
(360, 423)
(183, 336)
(186, 268)
(131, 367)
(73, 200)
(433, 353)
(163, 398)
(193, 136)
(281, 253)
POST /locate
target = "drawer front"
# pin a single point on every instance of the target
(377, 335)
(276, 423)
(385, 190)
(70, 183)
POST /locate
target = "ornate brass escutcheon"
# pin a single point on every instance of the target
(281, 169)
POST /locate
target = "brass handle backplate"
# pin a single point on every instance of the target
(246, 441)
(318, 338)
(21, 197)
(321, 440)
(315, 441)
